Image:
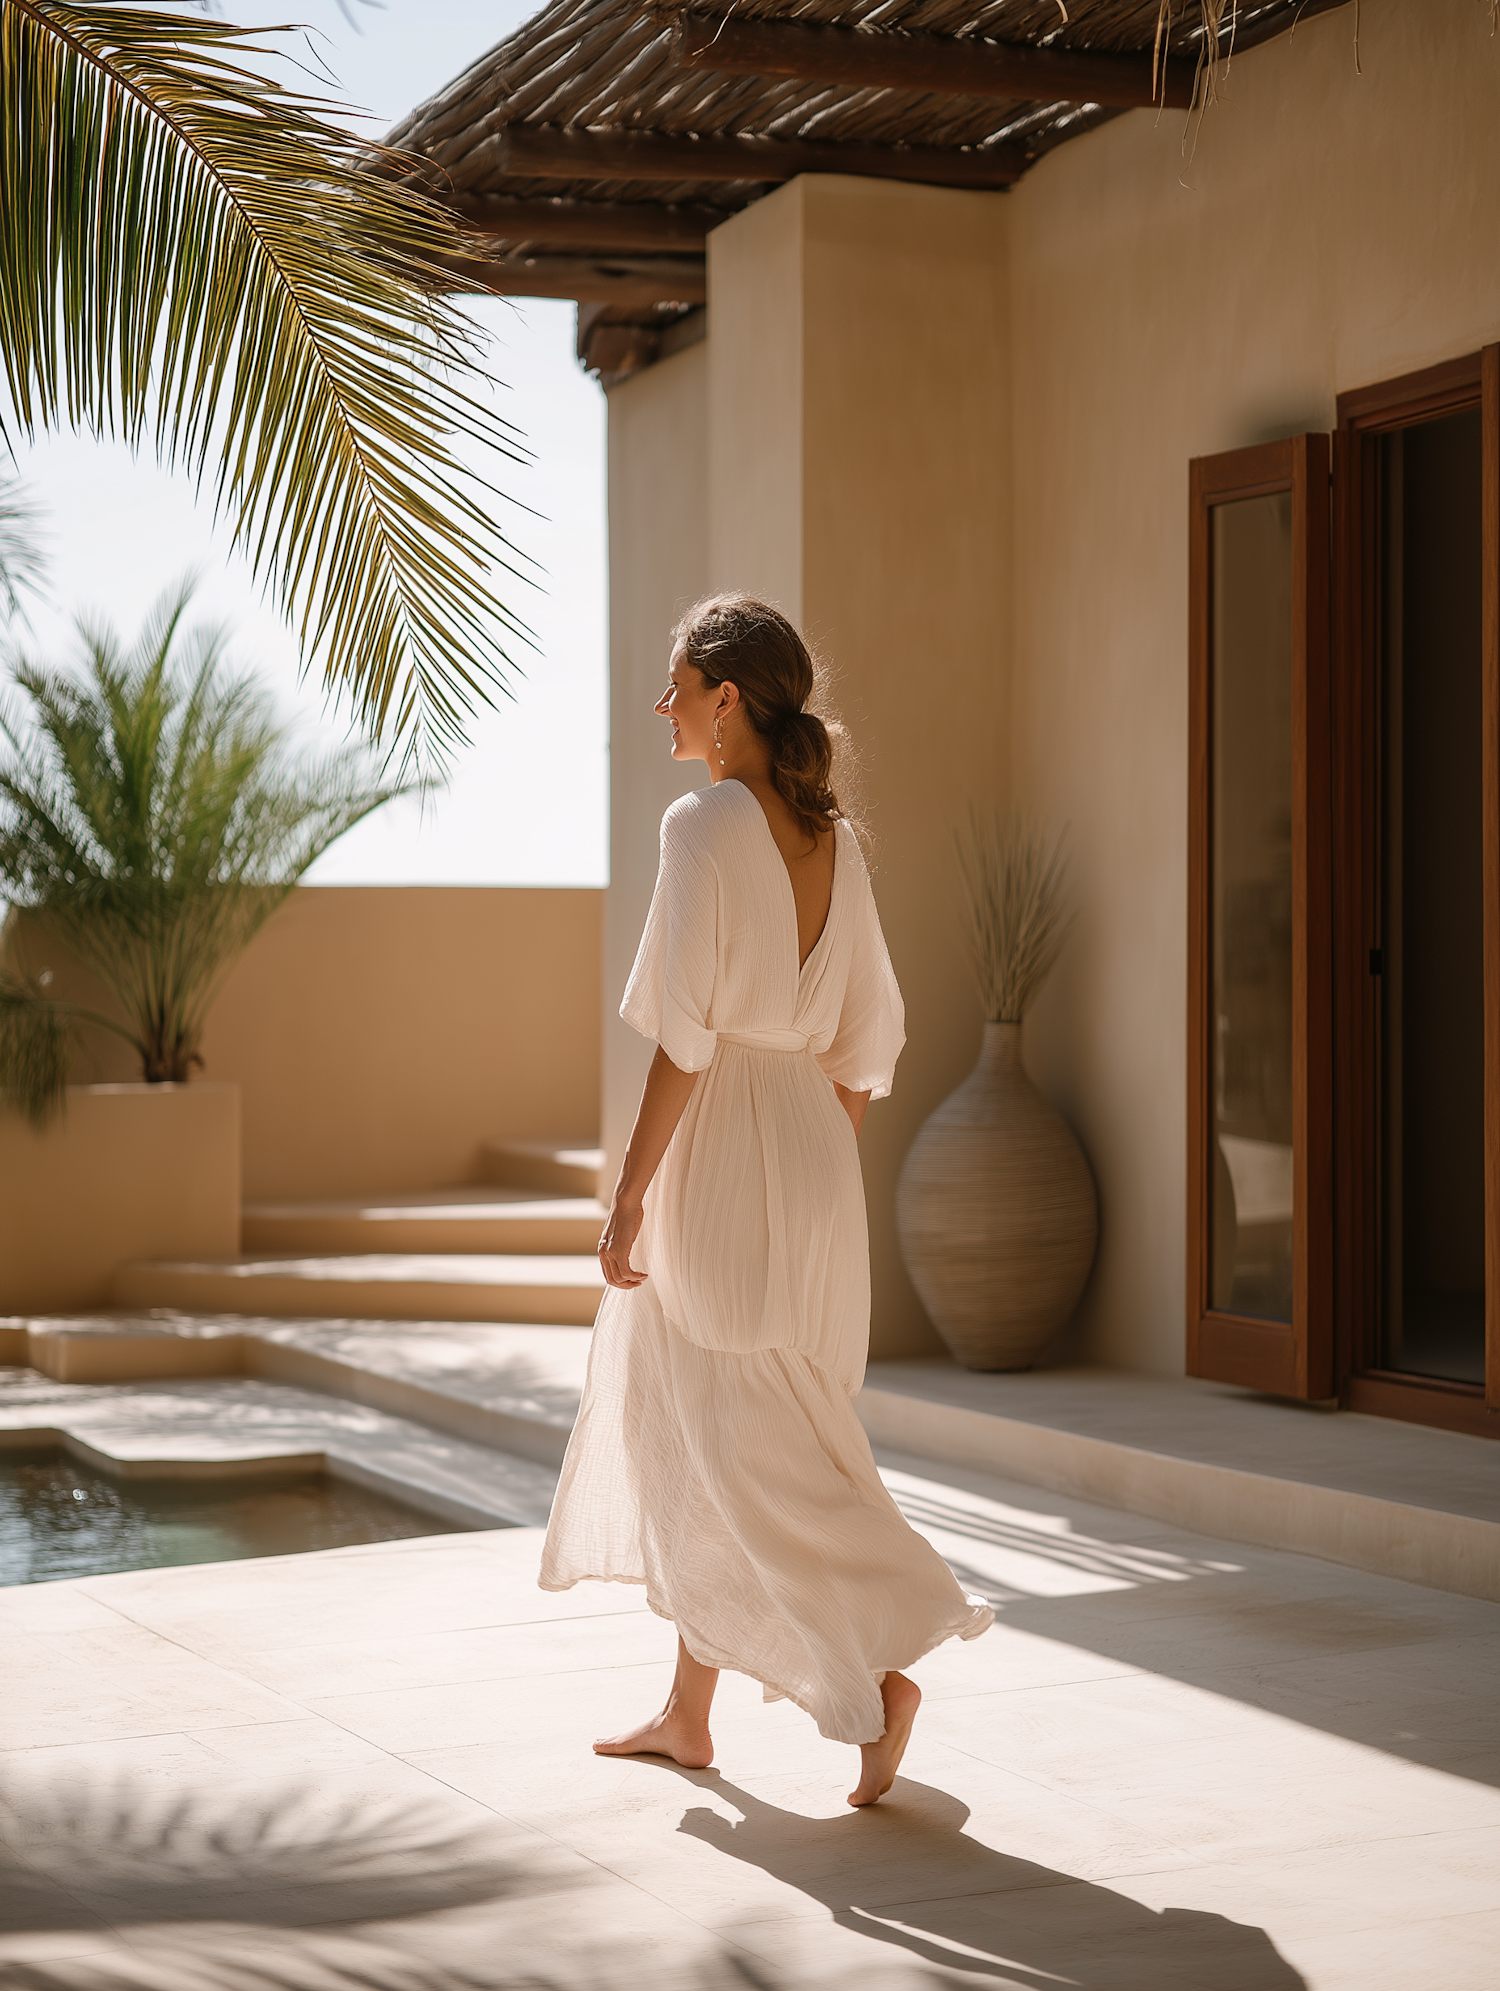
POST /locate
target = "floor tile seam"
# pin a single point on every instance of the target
(64, 1631)
(471, 1680)
(533, 1829)
(457, 1631)
(499, 1625)
(1171, 1874)
(1384, 1760)
(489, 1679)
(1126, 1672)
(1397, 1918)
(19, 1751)
(1231, 1852)
(194, 1652)
(1052, 1790)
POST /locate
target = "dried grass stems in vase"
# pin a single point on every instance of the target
(995, 1208)
(1016, 887)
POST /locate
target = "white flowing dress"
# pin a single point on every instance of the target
(717, 1458)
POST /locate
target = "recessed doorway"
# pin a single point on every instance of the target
(1417, 884)
(1428, 958)
(1344, 906)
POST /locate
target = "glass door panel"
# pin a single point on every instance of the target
(1260, 1174)
(1250, 915)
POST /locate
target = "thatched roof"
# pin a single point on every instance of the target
(597, 145)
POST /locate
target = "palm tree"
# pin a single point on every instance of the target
(21, 560)
(192, 254)
(152, 816)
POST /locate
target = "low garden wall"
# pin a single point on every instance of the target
(378, 1035)
(125, 1171)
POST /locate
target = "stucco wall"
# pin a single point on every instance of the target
(1333, 229)
(658, 565)
(855, 409)
(124, 1171)
(378, 1035)
(950, 433)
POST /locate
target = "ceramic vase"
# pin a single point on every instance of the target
(997, 1213)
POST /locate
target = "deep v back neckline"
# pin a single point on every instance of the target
(786, 872)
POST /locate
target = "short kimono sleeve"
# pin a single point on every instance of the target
(872, 1021)
(671, 989)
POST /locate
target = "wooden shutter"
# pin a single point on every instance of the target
(1490, 393)
(1292, 1355)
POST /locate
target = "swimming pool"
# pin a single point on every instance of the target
(60, 1518)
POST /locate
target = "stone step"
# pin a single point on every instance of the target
(514, 1388)
(558, 1168)
(173, 1422)
(549, 1290)
(1396, 1499)
(490, 1219)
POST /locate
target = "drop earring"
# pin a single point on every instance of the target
(719, 739)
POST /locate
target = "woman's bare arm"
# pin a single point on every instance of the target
(664, 1100)
(854, 1104)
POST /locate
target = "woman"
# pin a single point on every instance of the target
(717, 1458)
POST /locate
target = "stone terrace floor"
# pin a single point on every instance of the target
(1175, 1765)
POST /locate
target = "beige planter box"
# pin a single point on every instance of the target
(128, 1171)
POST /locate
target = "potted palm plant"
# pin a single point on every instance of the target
(995, 1206)
(153, 814)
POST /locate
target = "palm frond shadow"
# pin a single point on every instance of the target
(1124, 1565)
(249, 1888)
(139, 1857)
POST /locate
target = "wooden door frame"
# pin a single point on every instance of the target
(1295, 1358)
(1364, 414)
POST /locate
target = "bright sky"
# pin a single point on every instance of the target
(526, 805)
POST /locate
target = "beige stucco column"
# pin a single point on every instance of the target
(858, 474)
(658, 564)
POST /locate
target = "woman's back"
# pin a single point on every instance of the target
(809, 861)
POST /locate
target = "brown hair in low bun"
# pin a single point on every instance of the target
(748, 643)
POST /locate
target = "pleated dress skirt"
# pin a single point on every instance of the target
(736, 1483)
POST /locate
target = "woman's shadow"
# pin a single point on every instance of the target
(907, 1874)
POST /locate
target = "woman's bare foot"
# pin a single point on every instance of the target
(671, 1734)
(879, 1761)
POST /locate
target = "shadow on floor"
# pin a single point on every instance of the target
(977, 1912)
(1391, 1665)
(130, 1888)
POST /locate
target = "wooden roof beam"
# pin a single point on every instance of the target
(636, 281)
(546, 152)
(589, 224)
(877, 59)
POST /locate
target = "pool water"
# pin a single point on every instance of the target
(59, 1518)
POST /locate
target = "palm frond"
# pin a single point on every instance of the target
(22, 562)
(36, 1048)
(192, 253)
(153, 815)
(1015, 882)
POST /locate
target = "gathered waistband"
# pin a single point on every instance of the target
(765, 1040)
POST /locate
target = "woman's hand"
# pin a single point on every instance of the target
(854, 1104)
(621, 1229)
(663, 1102)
